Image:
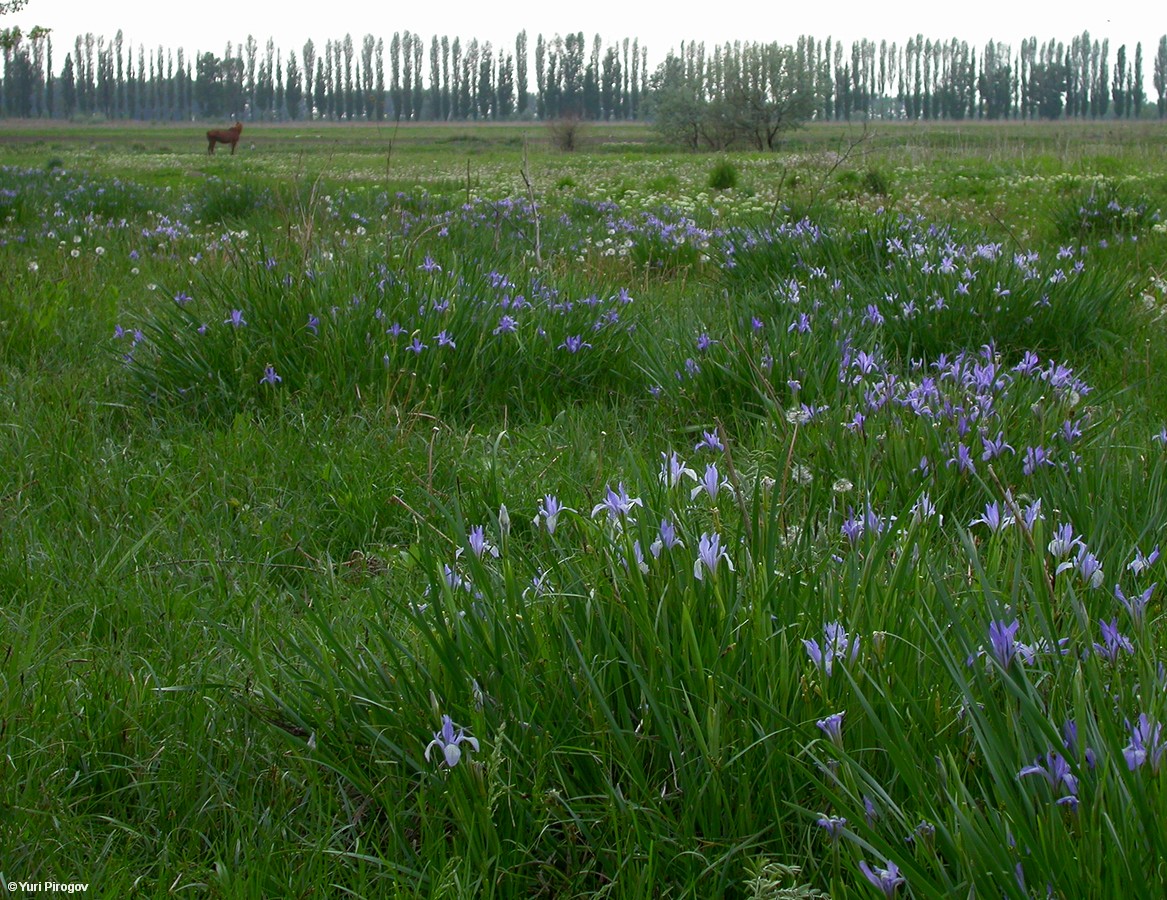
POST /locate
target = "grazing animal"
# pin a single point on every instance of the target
(224, 136)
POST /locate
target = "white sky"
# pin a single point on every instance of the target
(202, 25)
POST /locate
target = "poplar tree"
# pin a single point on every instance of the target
(521, 96)
(407, 75)
(395, 74)
(68, 88)
(308, 54)
(457, 110)
(368, 96)
(1159, 76)
(294, 89)
(1118, 90)
(379, 88)
(541, 77)
(349, 93)
(320, 90)
(446, 111)
(1138, 95)
(485, 92)
(250, 50)
(418, 87)
(435, 89)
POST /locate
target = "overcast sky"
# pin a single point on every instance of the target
(201, 25)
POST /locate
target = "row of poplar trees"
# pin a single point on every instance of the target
(412, 79)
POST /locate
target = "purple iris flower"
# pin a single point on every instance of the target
(673, 468)
(667, 540)
(832, 825)
(1002, 641)
(1136, 606)
(1140, 563)
(711, 483)
(270, 376)
(236, 319)
(837, 644)
(478, 543)
(1088, 566)
(963, 460)
(802, 325)
(994, 447)
(617, 504)
(549, 511)
(1035, 458)
(852, 528)
(832, 727)
(447, 741)
(1064, 542)
(1056, 772)
(1070, 739)
(887, 880)
(573, 344)
(1112, 641)
(709, 554)
(709, 441)
(1146, 744)
(1031, 514)
(993, 518)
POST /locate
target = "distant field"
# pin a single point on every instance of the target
(1068, 141)
(423, 511)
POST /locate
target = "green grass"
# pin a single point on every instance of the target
(236, 609)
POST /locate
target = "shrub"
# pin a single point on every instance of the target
(724, 176)
(565, 133)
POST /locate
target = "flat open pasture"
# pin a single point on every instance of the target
(421, 510)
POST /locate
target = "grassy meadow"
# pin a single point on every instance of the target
(421, 511)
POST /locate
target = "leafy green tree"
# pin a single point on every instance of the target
(995, 82)
(11, 37)
(208, 88)
(754, 94)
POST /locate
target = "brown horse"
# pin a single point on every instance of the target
(224, 136)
